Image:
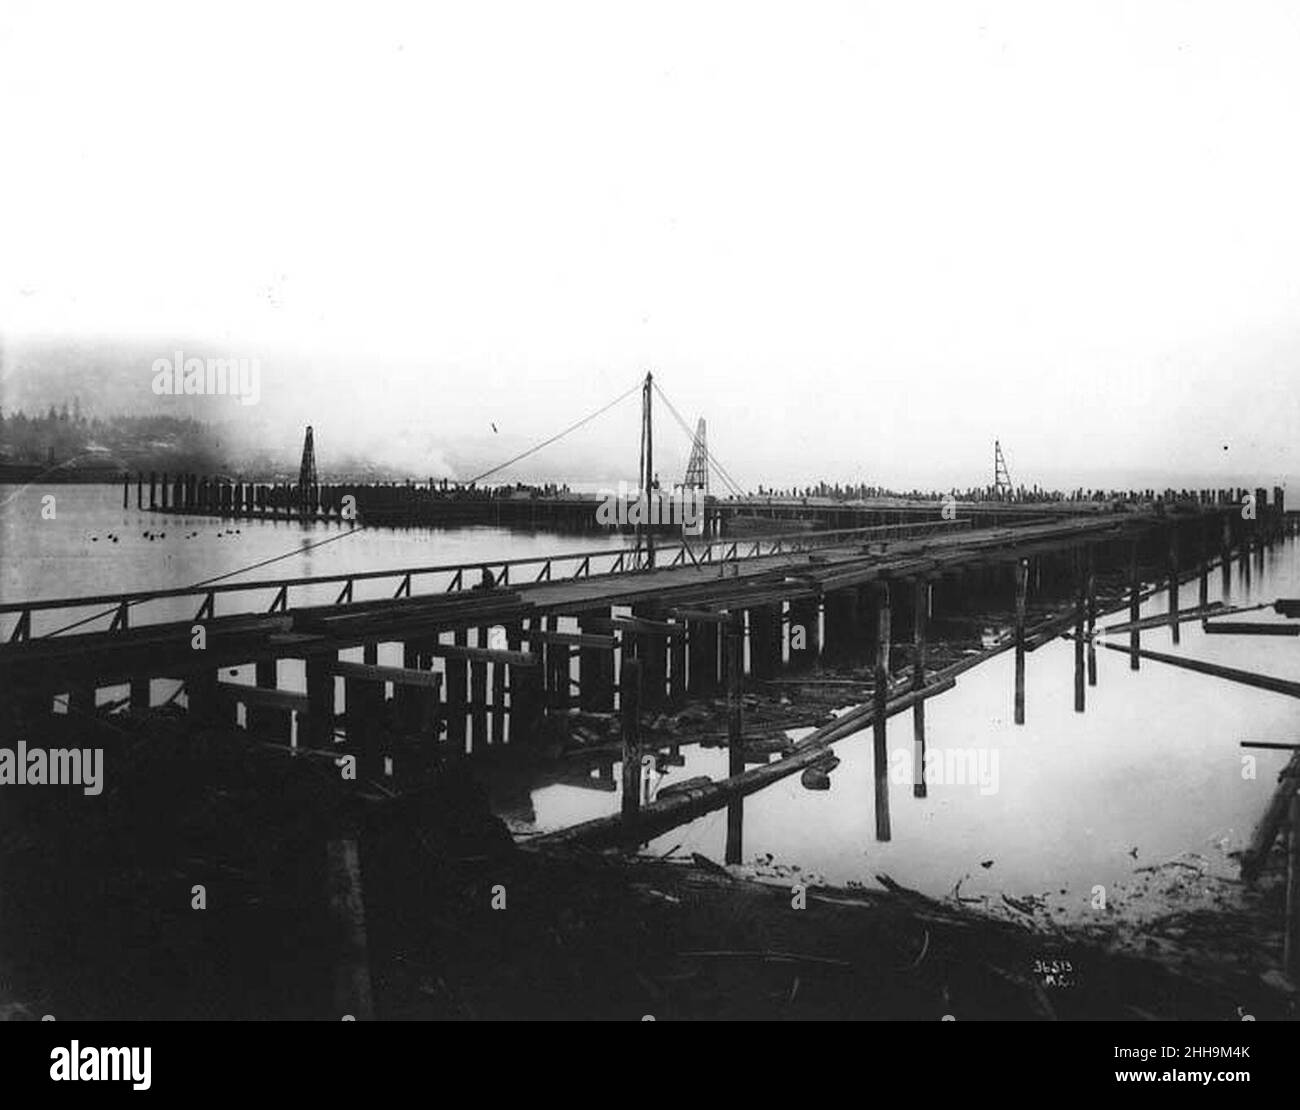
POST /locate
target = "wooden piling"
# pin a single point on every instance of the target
(457, 707)
(319, 730)
(804, 639)
(920, 621)
(1090, 603)
(630, 700)
(735, 646)
(478, 697)
(1022, 586)
(1174, 625)
(677, 664)
(652, 650)
(595, 671)
(881, 722)
(1291, 944)
(1134, 610)
(1079, 684)
(498, 703)
(702, 662)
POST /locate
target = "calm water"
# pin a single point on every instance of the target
(1151, 772)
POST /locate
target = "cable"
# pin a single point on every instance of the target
(719, 469)
(209, 581)
(558, 435)
(713, 462)
(360, 527)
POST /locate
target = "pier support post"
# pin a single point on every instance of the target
(804, 639)
(498, 703)
(764, 641)
(320, 702)
(1173, 584)
(630, 699)
(677, 663)
(735, 659)
(1291, 943)
(1022, 584)
(840, 610)
(457, 672)
(1078, 633)
(1091, 602)
(1134, 608)
(652, 650)
(920, 617)
(595, 669)
(880, 722)
(478, 704)
(703, 658)
(1203, 567)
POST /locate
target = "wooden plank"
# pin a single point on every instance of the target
(262, 697)
(398, 676)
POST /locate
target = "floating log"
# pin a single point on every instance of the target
(1251, 628)
(662, 815)
(1261, 840)
(1232, 674)
(1215, 608)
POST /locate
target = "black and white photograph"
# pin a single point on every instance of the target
(627, 512)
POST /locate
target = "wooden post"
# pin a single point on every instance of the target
(735, 647)
(804, 638)
(677, 664)
(652, 650)
(478, 698)
(139, 693)
(703, 658)
(1091, 602)
(630, 699)
(595, 671)
(266, 719)
(126, 491)
(457, 671)
(1225, 555)
(921, 606)
(498, 703)
(1134, 608)
(735, 656)
(1291, 944)
(1078, 633)
(1203, 552)
(1022, 585)
(319, 732)
(1173, 584)
(764, 641)
(880, 722)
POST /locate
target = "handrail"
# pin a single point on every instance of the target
(728, 551)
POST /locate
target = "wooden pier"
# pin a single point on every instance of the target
(510, 667)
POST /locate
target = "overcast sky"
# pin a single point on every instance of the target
(863, 239)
